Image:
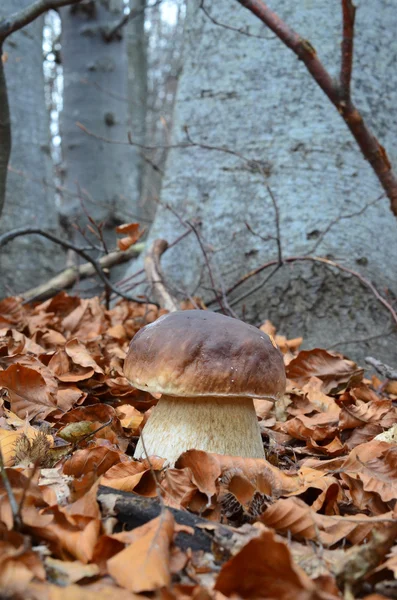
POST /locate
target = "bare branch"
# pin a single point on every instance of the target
(317, 259)
(277, 221)
(155, 275)
(11, 235)
(26, 15)
(230, 27)
(67, 278)
(367, 142)
(385, 370)
(207, 262)
(349, 13)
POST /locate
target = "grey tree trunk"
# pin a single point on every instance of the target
(252, 96)
(103, 176)
(137, 88)
(29, 195)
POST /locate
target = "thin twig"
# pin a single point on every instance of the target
(230, 27)
(28, 14)
(11, 235)
(359, 340)
(317, 259)
(207, 262)
(277, 221)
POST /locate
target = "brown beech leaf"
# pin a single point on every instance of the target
(205, 470)
(12, 311)
(30, 395)
(377, 472)
(362, 413)
(130, 418)
(18, 564)
(133, 233)
(80, 355)
(134, 475)
(319, 427)
(144, 566)
(99, 590)
(88, 464)
(178, 488)
(66, 371)
(333, 448)
(264, 568)
(293, 516)
(334, 371)
(76, 534)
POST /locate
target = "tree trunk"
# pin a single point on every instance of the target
(252, 96)
(137, 87)
(29, 199)
(103, 176)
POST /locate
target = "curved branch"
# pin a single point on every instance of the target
(28, 14)
(155, 275)
(11, 235)
(5, 134)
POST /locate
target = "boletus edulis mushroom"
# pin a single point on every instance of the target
(207, 368)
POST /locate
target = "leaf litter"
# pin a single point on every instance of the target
(315, 519)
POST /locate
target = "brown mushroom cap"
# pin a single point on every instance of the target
(201, 353)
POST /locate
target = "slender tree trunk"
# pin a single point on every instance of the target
(104, 177)
(29, 195)
(5, 133)
(137, 86)
(251, 95)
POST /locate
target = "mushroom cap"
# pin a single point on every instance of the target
(201, 353)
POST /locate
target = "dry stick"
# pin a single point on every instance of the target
(156, 277)
(16, 517)
(385, 370)
(11, 235)
(330, 263)
(68, 277)
(337, 92)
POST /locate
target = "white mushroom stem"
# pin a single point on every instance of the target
(220, 425)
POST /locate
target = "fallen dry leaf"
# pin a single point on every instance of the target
(334, 371)
(144, 566)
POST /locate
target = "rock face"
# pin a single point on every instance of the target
(249, 94)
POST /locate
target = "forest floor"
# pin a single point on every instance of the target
(316, 519)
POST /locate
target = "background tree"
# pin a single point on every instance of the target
(105, 177)
(286, 166)
(29, 198)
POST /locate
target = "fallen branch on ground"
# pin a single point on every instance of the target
(67, 278)
(384, 370)
(132, 511)
(11, 235)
